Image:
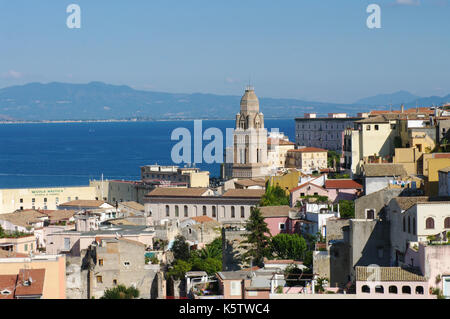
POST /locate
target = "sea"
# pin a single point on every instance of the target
(71, 154)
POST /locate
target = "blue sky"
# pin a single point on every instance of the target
(309, 49)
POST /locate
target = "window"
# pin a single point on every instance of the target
(414, 225)
(379, 289)
(115, 282)
(45, 200)
(177, 212)
(186, 213)
(370, 214)
(393, 289)
(232, 212)
(167, 211)
(100, 262)
(368, 128)
(376, 127)
(235, 288)
(409, 224)
(404, 224)
(419, 290)
(242, 212)
(33, 200)
(406, 290)
(282, 226)
(26, 247)
(204, 210)
(365, 289)
(429, 223)
(21, 200)
(21, 207)
(66, 243)
(214, 211)
(447, 222)
(99, 279)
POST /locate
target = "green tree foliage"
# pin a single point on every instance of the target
(347, 209)
(209, 265)
(288, 246)
(274, 196)
(179, 269)
(256, 237)
(121, 292)
(180, 248)
(334, 158)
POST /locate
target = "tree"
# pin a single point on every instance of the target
(274, 196)
(288, 246)
(180, 248)
(212, 250)
(256, 237)
(347, 209)
(209, 265)
(334, 159)
(121, 292)
(179, 269)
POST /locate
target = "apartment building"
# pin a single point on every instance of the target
(174, 176)
(323, 132)
(307, 159)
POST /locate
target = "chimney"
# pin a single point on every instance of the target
(403, 108)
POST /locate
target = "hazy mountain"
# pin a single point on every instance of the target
(388, 99)
(96, 100)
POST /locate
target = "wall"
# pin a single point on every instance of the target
(434, 165)
(376, 201)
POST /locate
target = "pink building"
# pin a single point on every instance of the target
(342, 189)
(305, 190)
(278, 220)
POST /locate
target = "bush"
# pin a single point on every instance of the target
(347, 209)
(121, 292)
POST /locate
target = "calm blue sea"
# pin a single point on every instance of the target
(69, 154)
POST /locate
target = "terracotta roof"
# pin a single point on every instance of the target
(309, 150)
(7, 282)
(282, 261)
(37, 285)
(133, 205)
(251, 182)
(278, 141)
(406, 203)
(58, 215)
(342, 184)
(203, 219)
(306, 184)
(441, 155)
(23, 218)
(83, 203)
(275, 211)
(387, 274)
(253, 193)
(380, 170)
(178, 192)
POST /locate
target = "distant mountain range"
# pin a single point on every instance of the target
(96, 101)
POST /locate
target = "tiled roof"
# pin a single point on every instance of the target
(177, 192)
(275, 211)
(387, 274)
(380, 170)
(133, 205)
(282, 262)
(406, 203)
(253, 193)
(309, 150)
(83, 203)
(11, 254)
(278, 141)
(37, 285)
(251, 182)
(23, 218)
(203, 219)
(58, 215)
(342, 184)
(7, 282)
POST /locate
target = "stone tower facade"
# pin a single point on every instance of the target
(249, 139)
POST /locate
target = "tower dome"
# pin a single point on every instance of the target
(249, 102)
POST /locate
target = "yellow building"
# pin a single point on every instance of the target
(286, 181)
(307, 158)
(42, 198)
(54, 286)
(434, 162)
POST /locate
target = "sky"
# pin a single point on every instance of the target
(306, 49)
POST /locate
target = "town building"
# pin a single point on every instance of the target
(444, 182)
(174, 176)
(323, 132)
(307, 159)
(278, 146)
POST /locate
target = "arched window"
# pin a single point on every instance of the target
(233, 215)
(204, 210)
(419, 290)
(406, 290)
(177, 211)
(214, 211)
(167, 211)
(404, 224)
(242, 212)
(447, 222)
(409, 224)
(186, 213)
(393, 289)
(365, 289)
(429, 223)
(379, 289)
